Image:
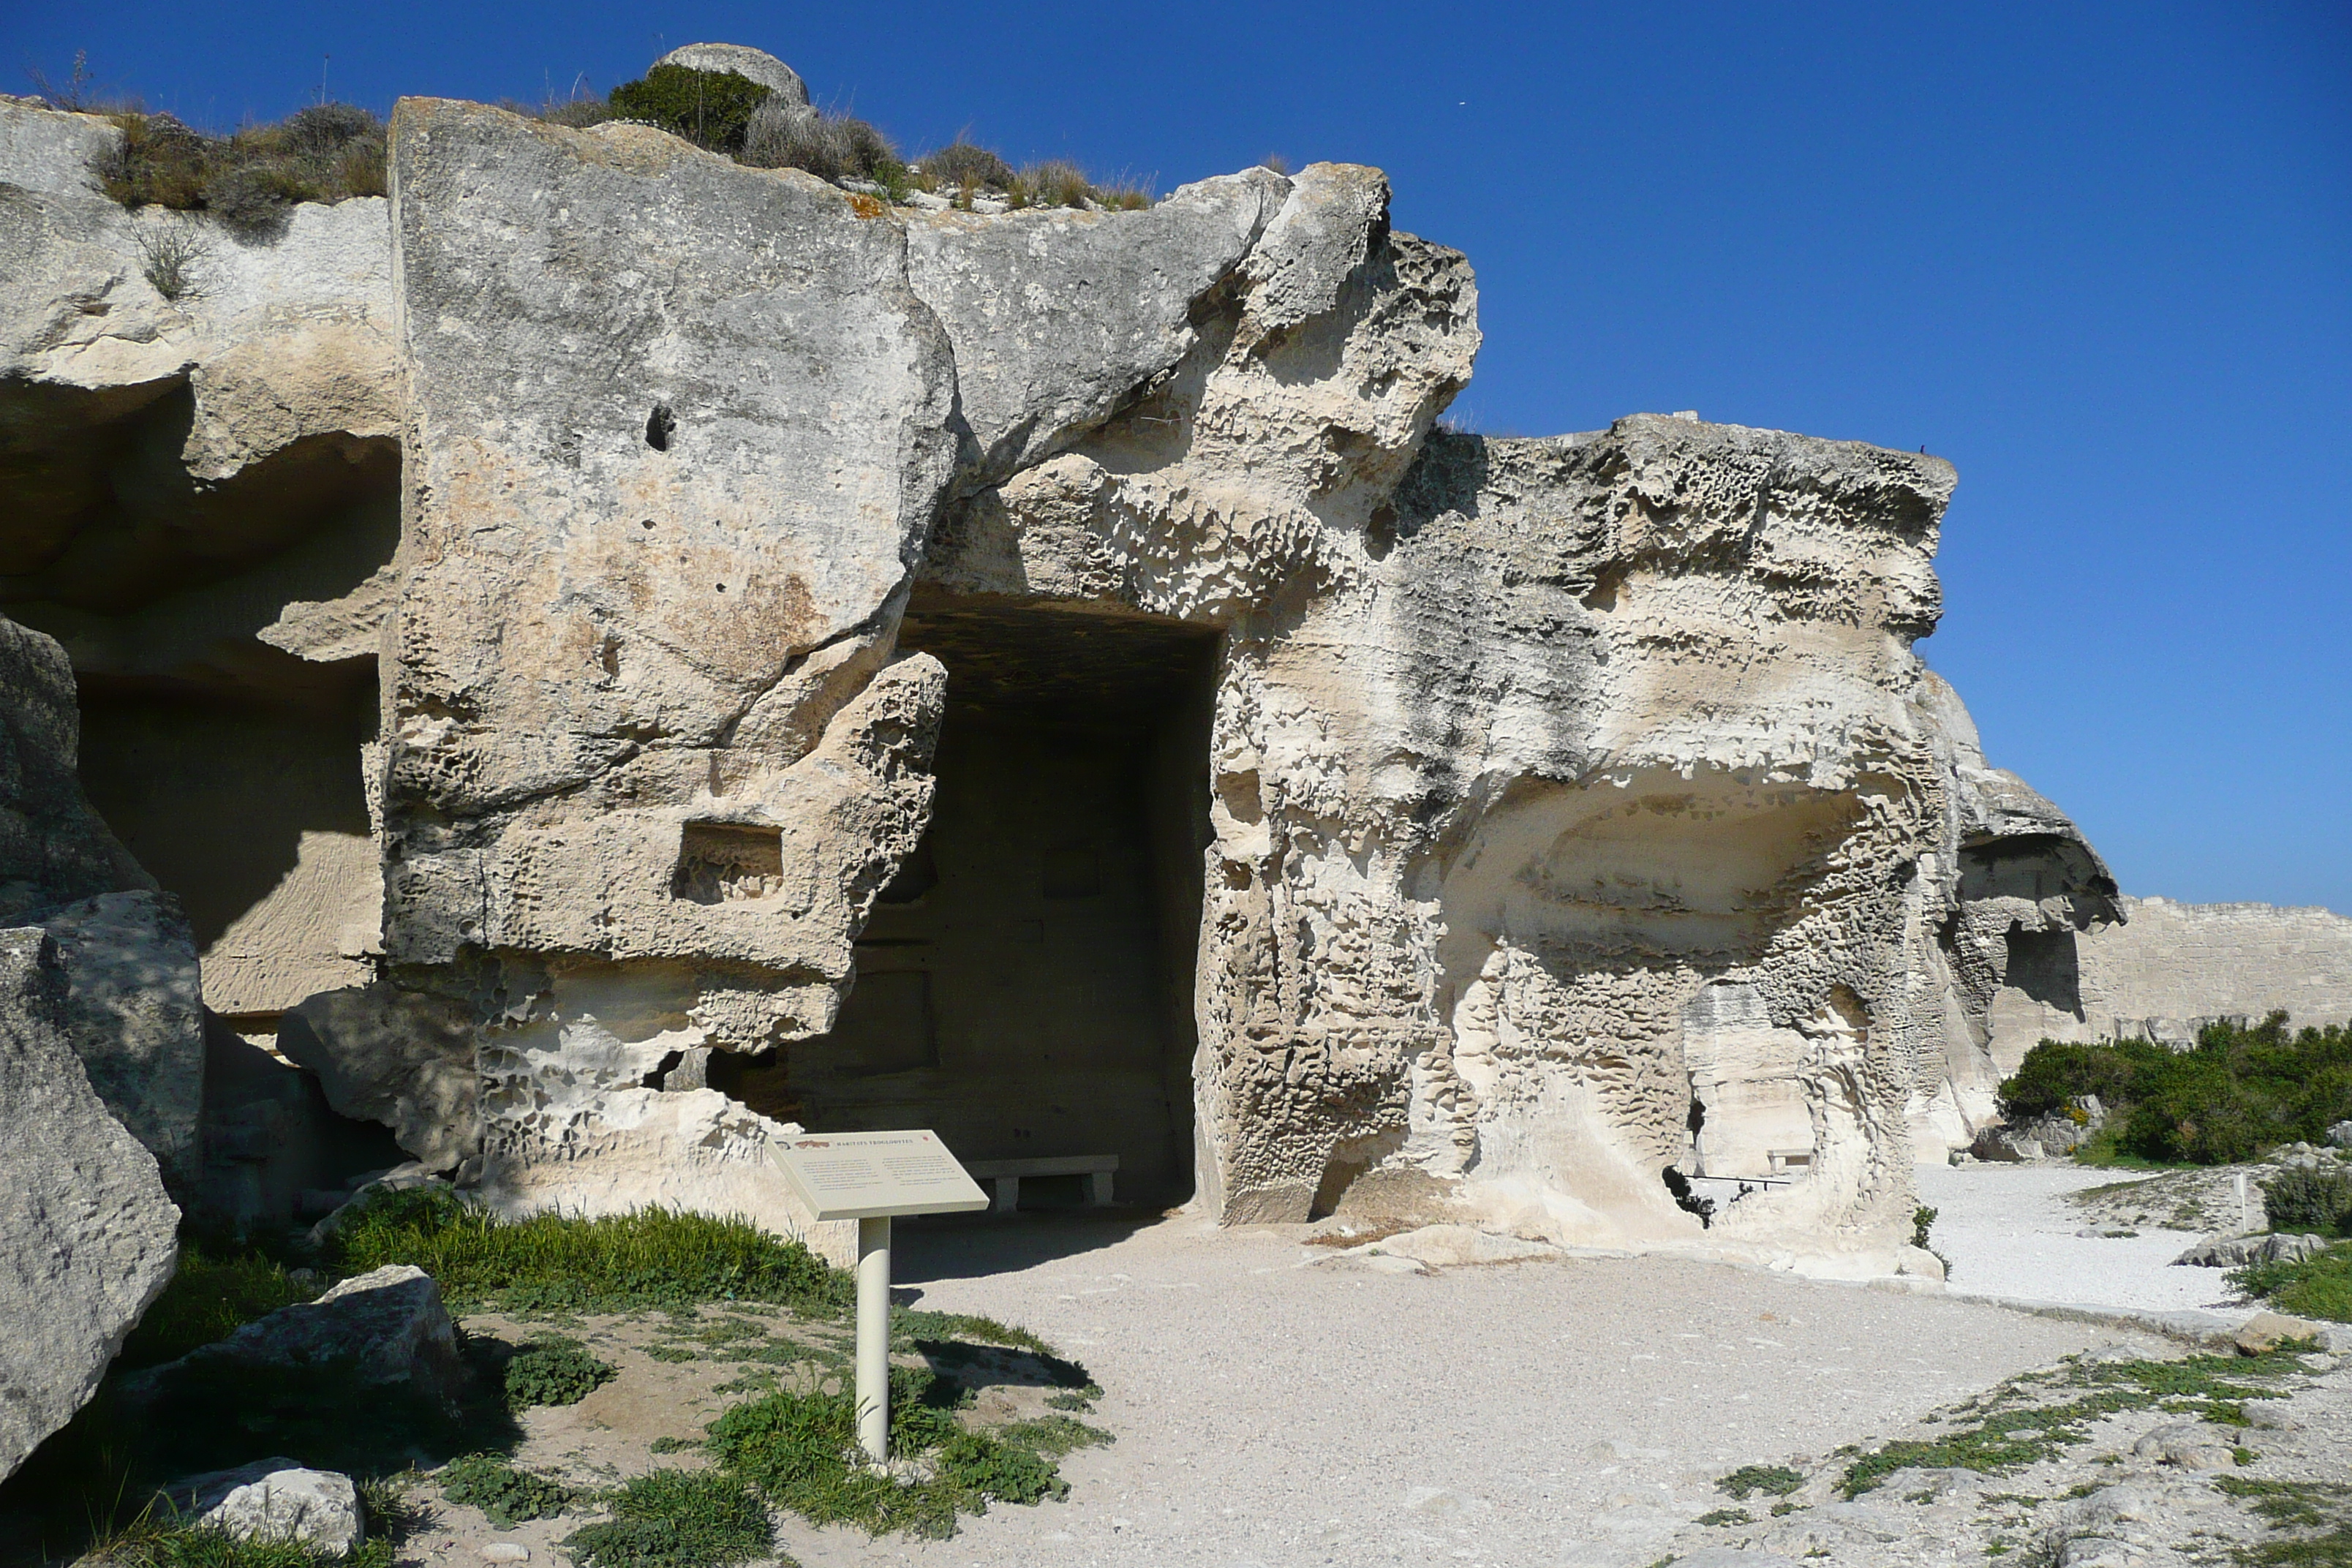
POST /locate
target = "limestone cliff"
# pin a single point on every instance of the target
(1522, 819)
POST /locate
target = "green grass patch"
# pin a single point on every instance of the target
(1728, 1516)
(2316, 1287)
(554, 1371)
(151, 1543)
(209, 1297)
(646, 1259)
(2017, 1425)
(795, 1448)
(1751, 1480)
(506, 1496)
(676, 1519)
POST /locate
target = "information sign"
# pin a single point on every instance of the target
(872, 1177)
(876, 1175)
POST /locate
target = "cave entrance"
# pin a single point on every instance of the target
(1025, 988)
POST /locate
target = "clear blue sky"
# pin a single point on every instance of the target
(2099, 256)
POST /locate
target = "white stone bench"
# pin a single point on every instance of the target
(1007, 1173)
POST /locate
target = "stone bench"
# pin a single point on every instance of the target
(1007, 1173)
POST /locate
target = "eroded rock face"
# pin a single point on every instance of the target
(88, 1237)
(1575, 809)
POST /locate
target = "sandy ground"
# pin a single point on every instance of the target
(2010, 1235)
(1274, 1410)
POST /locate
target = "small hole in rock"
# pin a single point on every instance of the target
(648, 524)
(660, 425)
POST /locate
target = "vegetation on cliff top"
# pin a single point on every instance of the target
(251, 179)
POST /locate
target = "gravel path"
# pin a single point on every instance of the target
(2010, 1235)
(1274, 1407)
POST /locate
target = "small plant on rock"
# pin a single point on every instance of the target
(1751, 1480)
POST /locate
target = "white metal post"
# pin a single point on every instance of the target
(874, 1338)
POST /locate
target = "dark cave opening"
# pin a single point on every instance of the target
(1025, 986)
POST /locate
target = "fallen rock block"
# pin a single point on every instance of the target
(88, 1237)
(1457, 1246)
(2002, 1145)
(2237, 1251)
(2272, 1330)
(388, 1327)
(275, 1501)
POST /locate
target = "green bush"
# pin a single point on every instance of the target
(677, 1519)
(554, 1371)
(646, 1258)
(208, 1298)
(506, 1496)
(709, 109)
(2309, 1200)
(2234, 1093)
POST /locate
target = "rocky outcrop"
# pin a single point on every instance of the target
(87, 1235)
(1563, 815)
(386, 1329)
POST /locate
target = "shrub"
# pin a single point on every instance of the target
(1055, 184)
(208, 1298)
(709, 109)
(2237, 1091)
(554, 1371)
(160, 163)
(829, 146)
(966, 167)
(677, 1519)
(2309, 1200)
(648, 1257)
(506, 1496)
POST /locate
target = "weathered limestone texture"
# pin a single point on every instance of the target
(755, 64)
(1554, 835)
(189, 484)
(88, 1237)
(2029, 889)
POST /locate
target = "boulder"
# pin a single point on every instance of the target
(386, 1328)
(2237, 1251)
(2006, 1146)
(2268, 1331)
(274, 1500)
(2339, 1133)
(754, 65)
(88, 1237)
(400, 1055)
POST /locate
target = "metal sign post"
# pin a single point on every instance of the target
(870, 1178)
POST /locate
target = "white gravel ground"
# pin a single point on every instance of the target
(2010, 1235)
(1556, 1412)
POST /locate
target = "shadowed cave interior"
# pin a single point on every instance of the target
(1025, 988)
